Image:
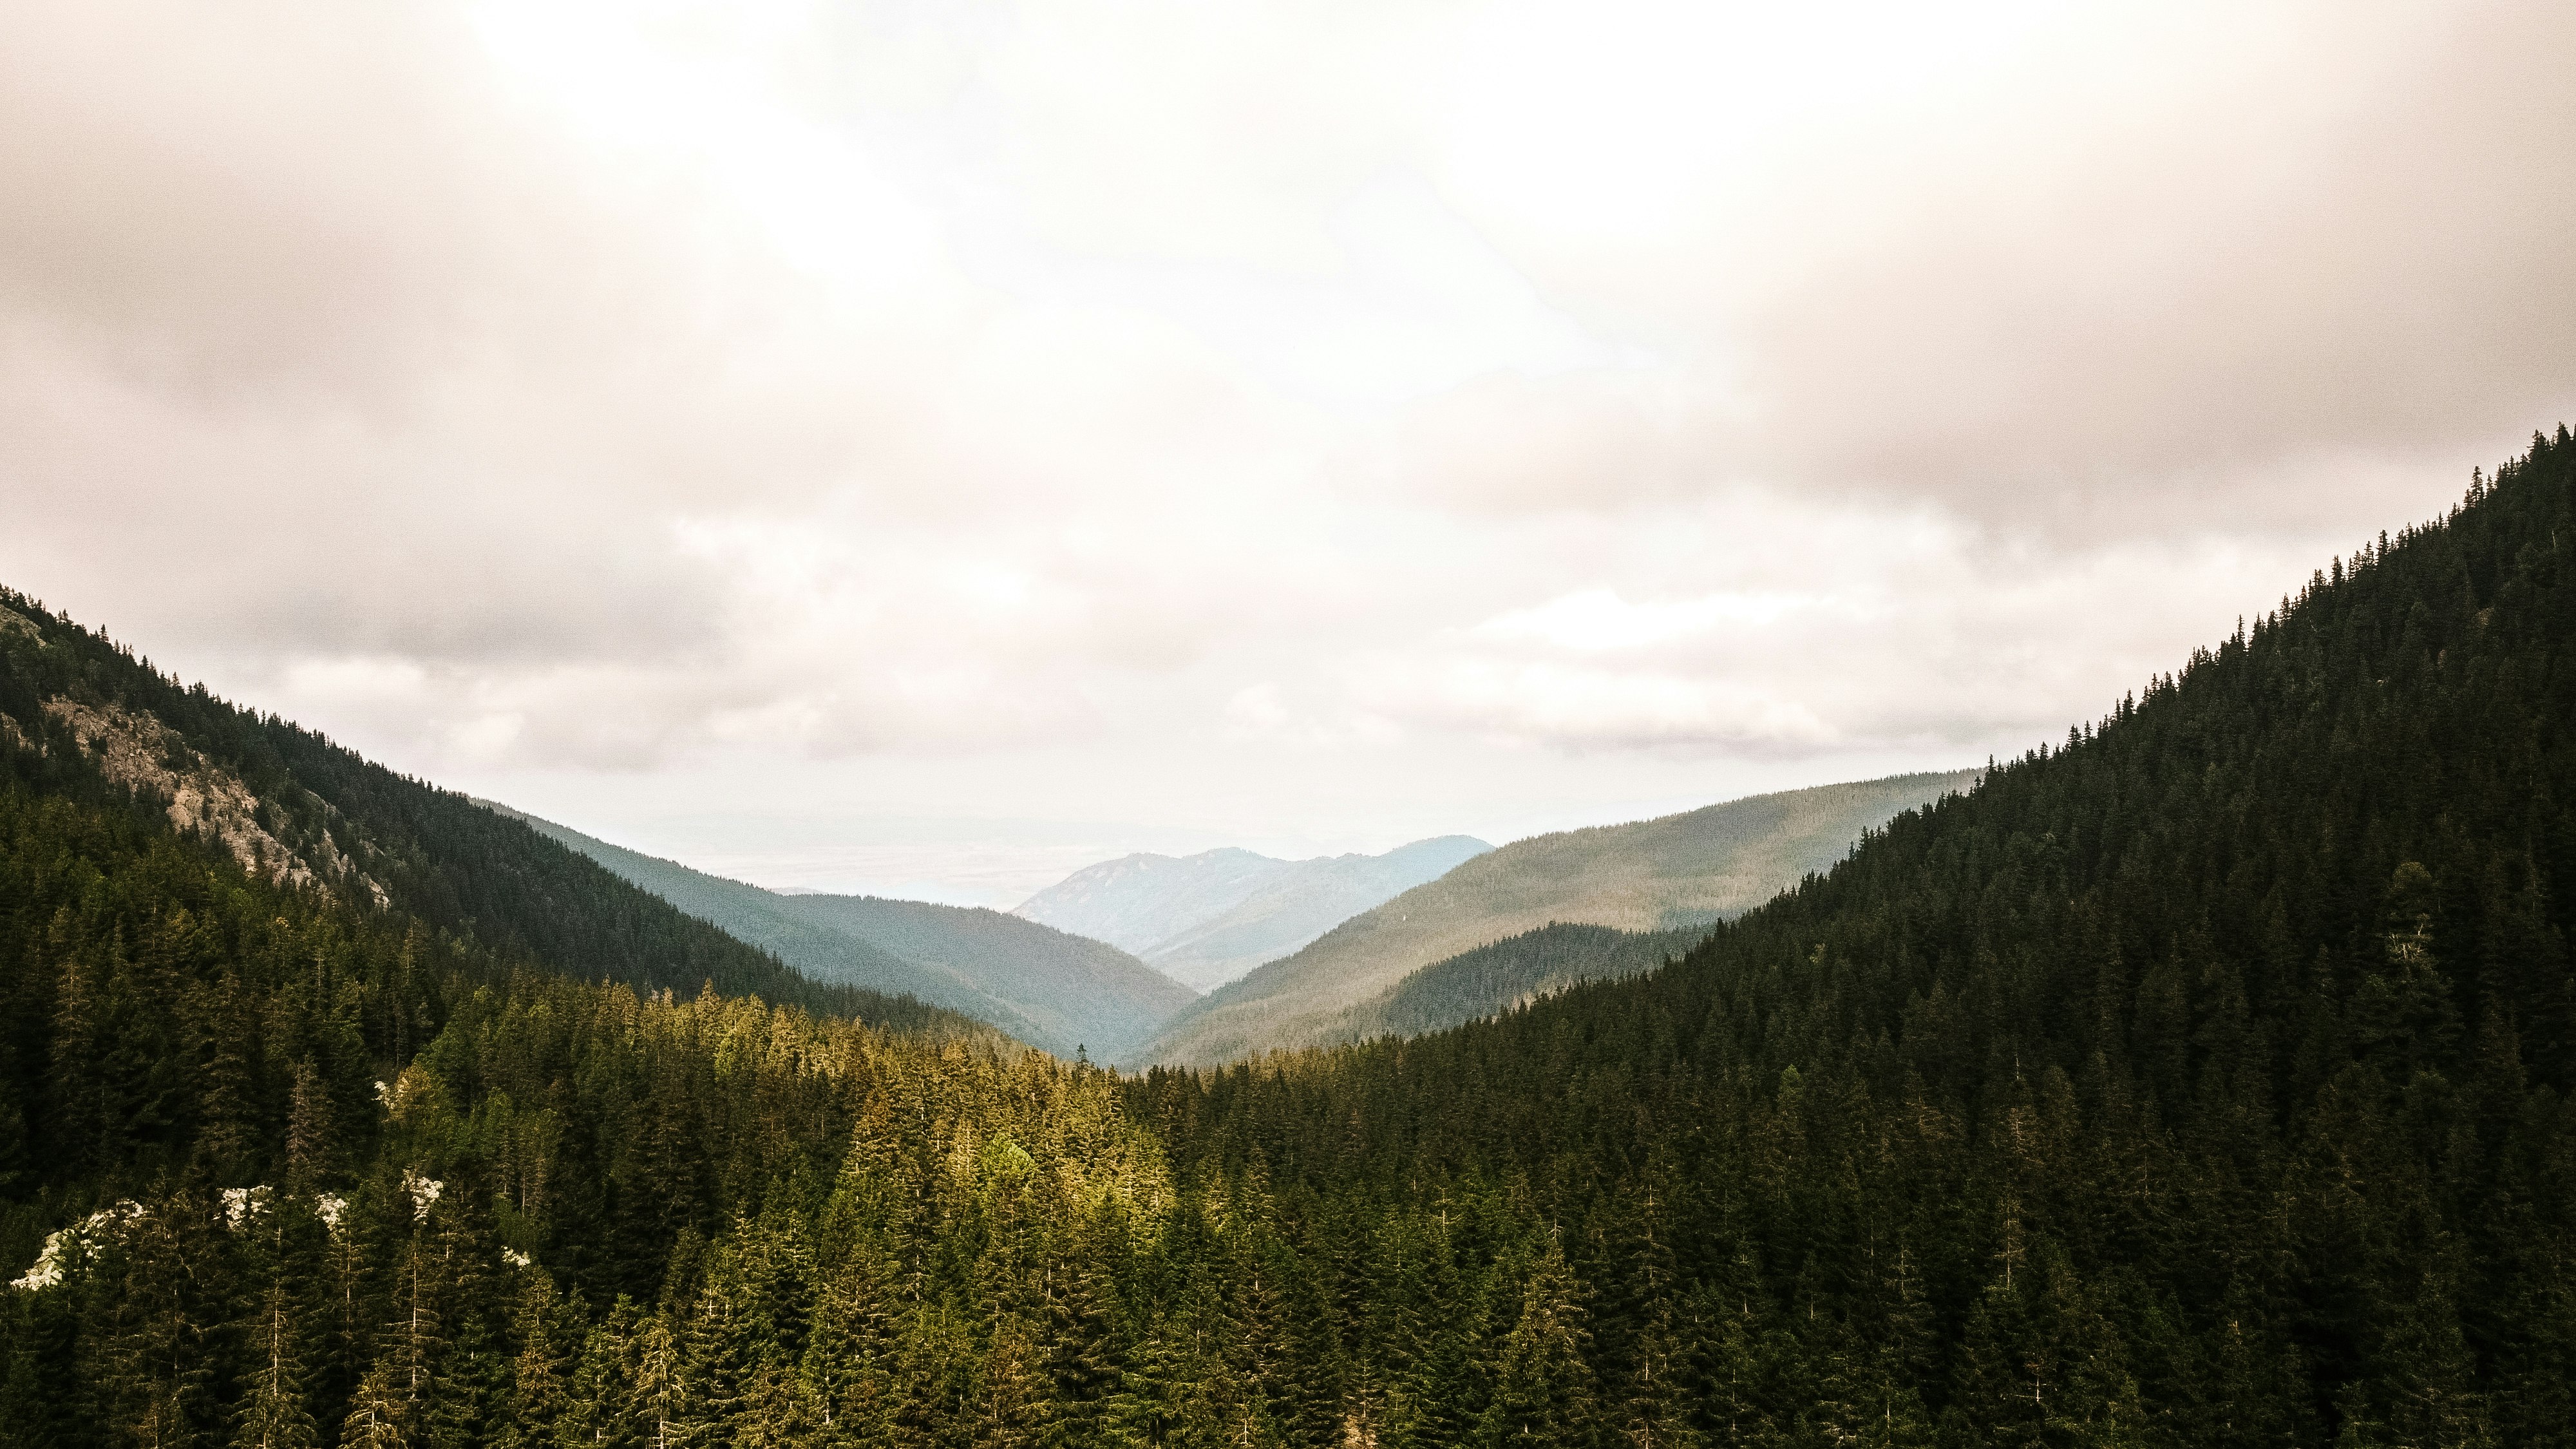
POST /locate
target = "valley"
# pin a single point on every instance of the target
(1060, 992)
(1207, 919)
(1667, 875)
(2197, 1079)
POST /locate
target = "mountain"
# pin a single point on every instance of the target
(1672, 873)
(1502, 976)
(1208, 918)
(1043, 986)
(1137, 902)
(1079, 991)
(2204, 1080)
(286, 804)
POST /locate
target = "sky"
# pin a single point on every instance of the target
(925, 448)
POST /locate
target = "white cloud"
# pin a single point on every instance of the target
(1598, 620)
(1332, 420)
(1575, 707)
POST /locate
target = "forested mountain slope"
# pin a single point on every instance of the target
(80, 713)
(1503, 974)
(1670, 873)
(1042, 986)
(273, 1164)
(1075, 990)
(2201, 1083)
(1206, 919)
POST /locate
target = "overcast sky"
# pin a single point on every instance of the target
(926, 447)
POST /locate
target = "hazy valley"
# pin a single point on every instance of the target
(2199, 1080)
(2193, 1081)
(1662, 876)
(1206, 919)
(1045, 987)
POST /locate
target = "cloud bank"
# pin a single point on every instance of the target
(1316, 423)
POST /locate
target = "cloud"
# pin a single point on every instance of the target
(274, 201)
(1823, 635)
(1282, 409)
(1599, 620)
(2340, 251)
(1582, 708)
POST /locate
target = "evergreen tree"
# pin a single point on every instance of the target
(377, 1413)
(274, 1414)
(1544, 1393)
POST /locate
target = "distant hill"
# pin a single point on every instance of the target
(1691, 869)
(1505, 974)
(1206, 919)
(1044, 986)
(1137, 902)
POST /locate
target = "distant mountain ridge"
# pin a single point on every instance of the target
(1679, 871)
(1049, 988)
(1137, 902)
(1208, 918)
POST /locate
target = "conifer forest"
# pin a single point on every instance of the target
(2199, 1080)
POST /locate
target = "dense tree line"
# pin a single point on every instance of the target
(2200, 1082)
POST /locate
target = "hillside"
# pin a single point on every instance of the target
(83, 714)
(1690, 869)
(2200, 1081)
(1042, 986)
(1502, 975)
(1206, 919)
(1077, 992)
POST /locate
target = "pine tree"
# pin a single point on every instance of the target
(413, 1343)
(377, 1413)
(1653, 1413)
(775, 1411)
(849, 1364)
(1084, 1382)
(312, 1141)
(273, 1413)
(78, 1112)
(604, 1406)
(541, 1371)
(159, 1373)
(719, 1347)
(664, 1399)
(2431, 1393)
(1010, 1394)
(227, 1139)
(1544, 1393)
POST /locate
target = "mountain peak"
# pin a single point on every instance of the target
(1205, 919)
